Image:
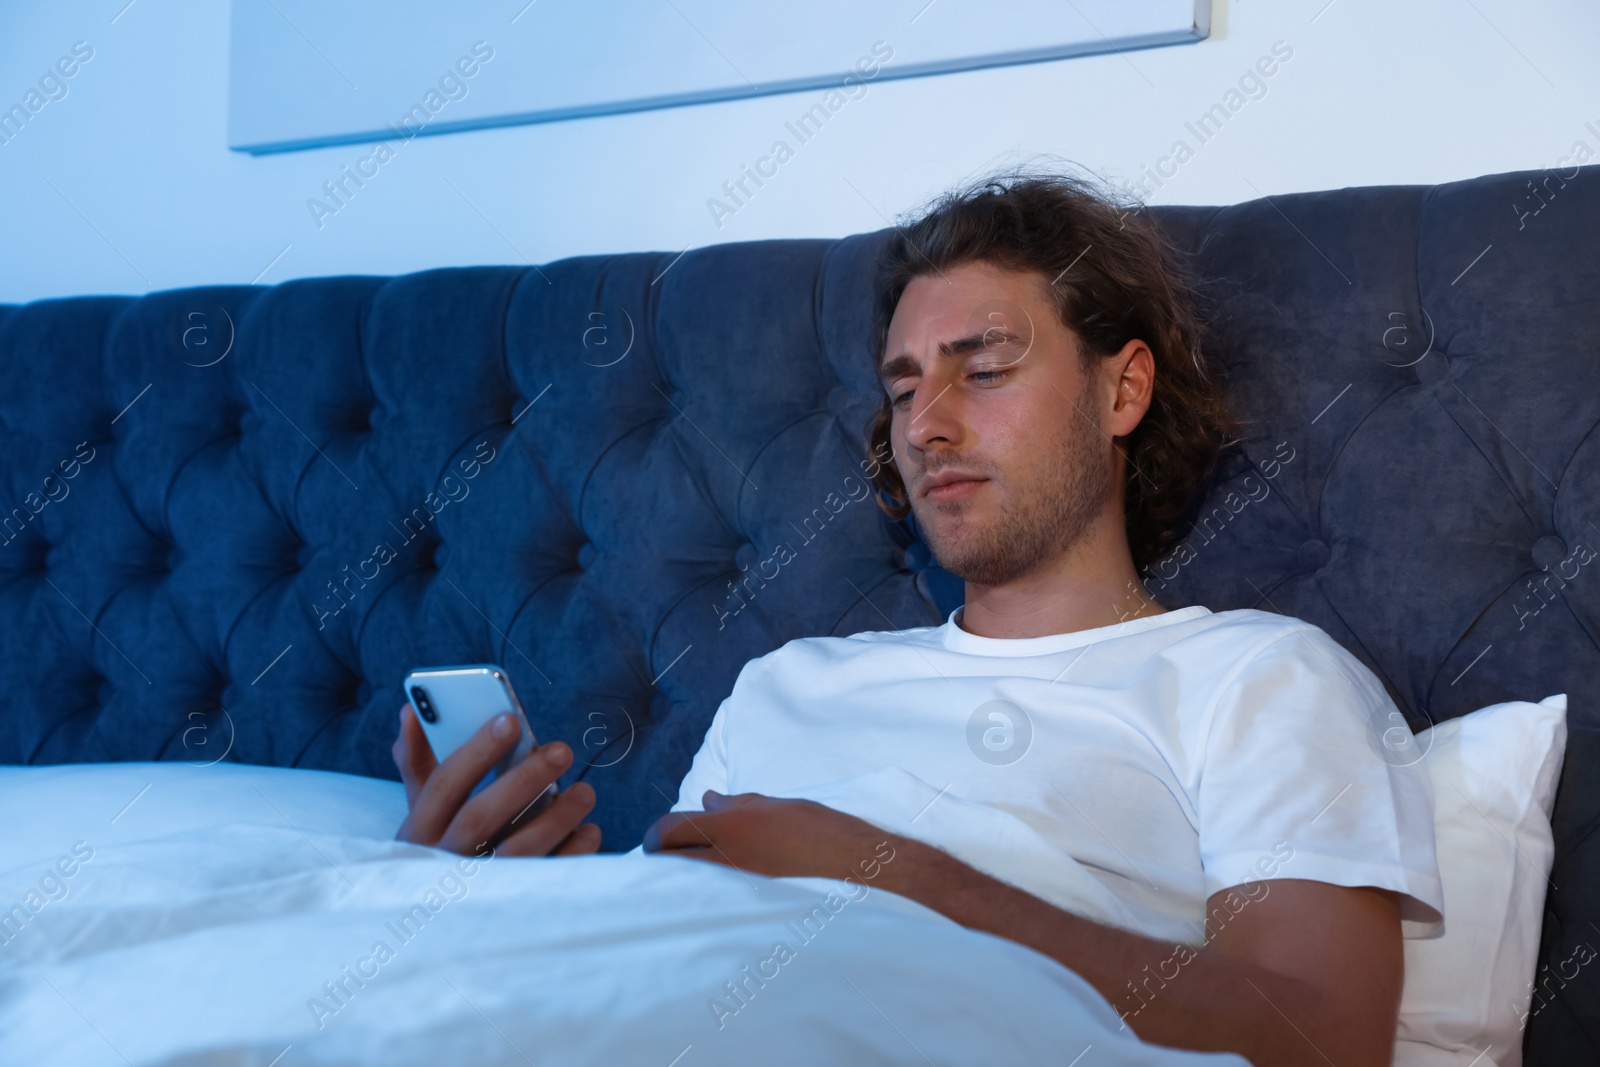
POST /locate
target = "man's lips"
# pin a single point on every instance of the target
(951, 486)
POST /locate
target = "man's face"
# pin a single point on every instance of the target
(996, 429)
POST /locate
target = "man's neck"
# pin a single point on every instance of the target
(1092, 585)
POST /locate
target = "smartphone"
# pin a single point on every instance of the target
(453, 702)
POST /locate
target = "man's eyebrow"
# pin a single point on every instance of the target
(993, 337)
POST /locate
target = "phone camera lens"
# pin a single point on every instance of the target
(424, 706)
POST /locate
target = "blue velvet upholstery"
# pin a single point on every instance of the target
(235, 516)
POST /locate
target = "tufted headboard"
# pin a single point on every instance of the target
(234, 516)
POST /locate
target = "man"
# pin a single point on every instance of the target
(1212, 776)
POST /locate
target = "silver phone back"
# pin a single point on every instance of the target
(464, 698)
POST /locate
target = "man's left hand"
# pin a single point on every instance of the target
(774, 836)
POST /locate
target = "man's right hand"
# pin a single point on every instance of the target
(441, 814)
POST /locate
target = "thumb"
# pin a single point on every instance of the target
(712, 800)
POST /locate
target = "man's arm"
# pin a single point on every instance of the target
(1307, 972)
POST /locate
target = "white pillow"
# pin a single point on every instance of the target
(102, 804)
(1467, 993)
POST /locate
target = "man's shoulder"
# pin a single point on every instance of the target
(1251, 629)
(1245, 635)
(1263, 647)
(1254, 632)
(834, 647)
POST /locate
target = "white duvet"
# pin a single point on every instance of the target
(239, 915)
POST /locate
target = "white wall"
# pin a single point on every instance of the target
(125, 184)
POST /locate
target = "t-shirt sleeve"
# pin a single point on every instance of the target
(1300, 778)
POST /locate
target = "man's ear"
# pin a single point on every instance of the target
(1135, 370)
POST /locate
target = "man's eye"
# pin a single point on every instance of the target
(903, 397)
(988, 377)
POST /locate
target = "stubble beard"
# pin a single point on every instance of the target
(1038, 520)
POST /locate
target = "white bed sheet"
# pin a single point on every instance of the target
(217, 912)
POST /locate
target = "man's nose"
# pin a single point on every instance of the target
(935, 415)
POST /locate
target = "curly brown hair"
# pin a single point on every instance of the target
(1116, 279)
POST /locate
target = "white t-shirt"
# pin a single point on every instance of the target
(1125, 772)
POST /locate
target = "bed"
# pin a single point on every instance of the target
(239, 514)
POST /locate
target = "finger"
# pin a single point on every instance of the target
(412, 754)
(486, 815)
(712, 800)
(447, 786)
(552, 825)
(680, 829)
(581, 842)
